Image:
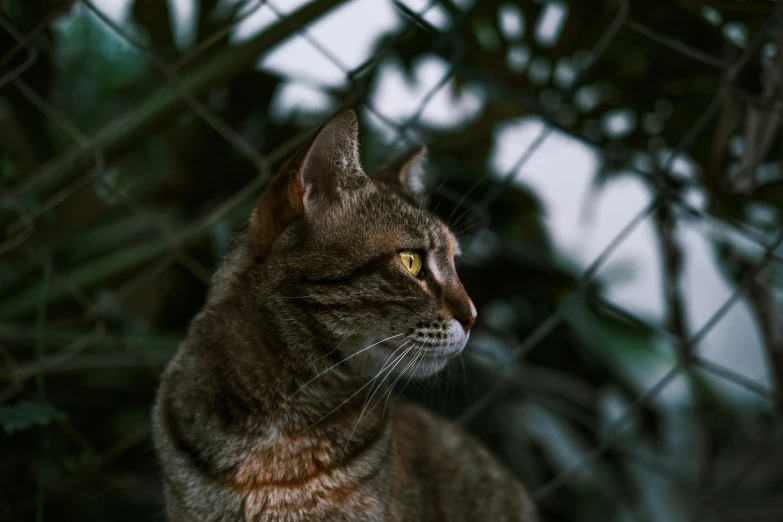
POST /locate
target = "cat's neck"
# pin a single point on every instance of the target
(287, 383)
(285, 423)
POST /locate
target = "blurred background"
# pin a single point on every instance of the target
(614, 170)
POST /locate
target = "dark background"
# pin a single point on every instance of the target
(128, 152)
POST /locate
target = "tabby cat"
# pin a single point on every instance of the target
(276, 406)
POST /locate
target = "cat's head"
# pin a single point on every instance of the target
(355, 261)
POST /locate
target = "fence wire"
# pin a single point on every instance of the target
(87, 163)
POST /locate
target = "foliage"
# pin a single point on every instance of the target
(134, 186)
(24, 415)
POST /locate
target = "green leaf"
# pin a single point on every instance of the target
(630, 351)
(26, 414)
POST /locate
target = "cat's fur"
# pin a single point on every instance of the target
(258, 415)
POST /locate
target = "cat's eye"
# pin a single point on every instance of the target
(411, 261)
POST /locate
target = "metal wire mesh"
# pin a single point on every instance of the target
(86, 164)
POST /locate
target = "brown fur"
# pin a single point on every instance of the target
(275, 406)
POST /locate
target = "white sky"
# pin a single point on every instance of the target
(560, 173)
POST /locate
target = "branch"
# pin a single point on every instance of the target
(163, 108)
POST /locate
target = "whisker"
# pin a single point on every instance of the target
(464, 372)
(380, 384)
(339, 363)
(434, 210)
(352, 396)
(435, 374)
(437, 191)
(416, 357)
(415, 370)
(336, 347)
(425, 198)
(468, 193)
(387, 365)
(388, 392)
(449, 393)
(421, 204)
(420, 358)
(463, 230)
(467, 212)
(369, 401)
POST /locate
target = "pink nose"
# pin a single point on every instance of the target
(469, 319)
(463, 310)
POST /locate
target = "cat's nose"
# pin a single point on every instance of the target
(464, 311)
(468, 317)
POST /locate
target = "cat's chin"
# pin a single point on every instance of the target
(418, 362)
(431, 360)
(429, 364)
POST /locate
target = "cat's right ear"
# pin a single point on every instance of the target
(316, 173)
(406, 172)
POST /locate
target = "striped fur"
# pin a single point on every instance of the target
(276, 407)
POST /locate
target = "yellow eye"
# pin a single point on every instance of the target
(411, 261)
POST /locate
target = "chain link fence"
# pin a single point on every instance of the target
(70, 319)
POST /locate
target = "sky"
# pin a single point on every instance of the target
(582, 221)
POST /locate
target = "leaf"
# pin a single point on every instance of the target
(771, 193)
(627, 350)
(24, 415)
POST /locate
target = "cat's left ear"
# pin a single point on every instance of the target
(406, 172)
(331, 163)
(316, 174)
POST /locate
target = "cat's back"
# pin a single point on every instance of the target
(455, 475)
(179, 417)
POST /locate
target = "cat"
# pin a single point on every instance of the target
(276, 406)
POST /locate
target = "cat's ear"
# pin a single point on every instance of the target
(332, 159)
(406, 171)
(318, 171)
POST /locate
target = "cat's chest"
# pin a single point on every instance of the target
(291, 477)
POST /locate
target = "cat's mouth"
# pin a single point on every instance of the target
(419, 354)
(429, 355)
(445, 345)
(447, 349)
